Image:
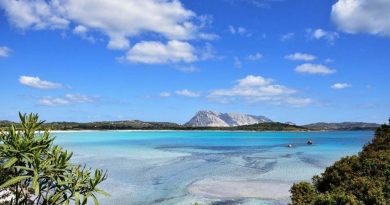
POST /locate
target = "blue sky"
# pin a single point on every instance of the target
(290, 60)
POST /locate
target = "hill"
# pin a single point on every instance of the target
(342, 126)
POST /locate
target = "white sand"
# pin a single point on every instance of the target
(228, 188)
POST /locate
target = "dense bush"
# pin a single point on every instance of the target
(35, 171)
(361, 179)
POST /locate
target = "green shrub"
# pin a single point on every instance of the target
(360, 179)
(37, 172)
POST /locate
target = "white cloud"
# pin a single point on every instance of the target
(82, 31)
(287, 36)
(49, 101)
(237, 62)
(314, 69)
(36, 82)
(339, 86)
(300, 56)
(254, 57)
(165, 94)
(207, 52)
(362, 16)
(154, 52)
(5, 52)
(258, 89)
(77, 98)
(66, 100)
(187, 69)
(328, 60)
(329, 36)
(252, 80)
(299, 102)
(35, 14)
(238, 30)
(119, 20)
(187, 93)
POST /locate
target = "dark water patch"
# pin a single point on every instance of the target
(228, 202)
(312, 161)
(161, 200)
(291, 155)
(157, 181)
(258, 163)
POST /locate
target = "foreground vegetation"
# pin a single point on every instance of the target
(363, 179)
(34, 171)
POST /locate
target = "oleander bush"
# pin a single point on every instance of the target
(363, 179)
(35, 171)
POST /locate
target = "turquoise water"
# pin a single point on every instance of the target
(216, 167)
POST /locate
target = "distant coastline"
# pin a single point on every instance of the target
(136, 125)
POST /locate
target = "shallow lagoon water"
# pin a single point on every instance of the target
(210, 167)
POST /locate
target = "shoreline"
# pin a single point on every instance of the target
(175, 130)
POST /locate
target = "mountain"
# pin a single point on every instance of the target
(216, 119)
(342, 126)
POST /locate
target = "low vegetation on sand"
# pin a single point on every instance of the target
(34, 171)
(363, 179)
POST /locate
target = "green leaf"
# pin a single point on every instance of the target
(35, 184)
(13, 181)
(77, 195)
(102, 192)
(10, 162)
(95, 199)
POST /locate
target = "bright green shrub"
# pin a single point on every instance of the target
(38, 172)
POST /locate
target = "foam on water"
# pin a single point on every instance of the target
(219, 168)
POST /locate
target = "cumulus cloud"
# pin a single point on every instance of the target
(314, 69)
(258, 89)
(340, 86)
(362, 16)
(301, 56)
(154, 52)
(4, 52)
(66, 100)
(255, 57)
(35, 14)
(318, 34)
(82, 31)
(119, 20)
(36, 82)
(187, 93)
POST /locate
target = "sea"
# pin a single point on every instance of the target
(207, 167)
